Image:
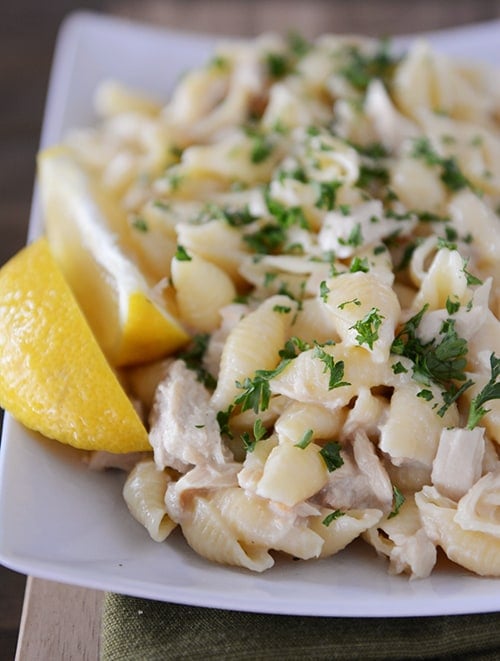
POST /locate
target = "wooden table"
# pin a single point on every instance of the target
(59, 621)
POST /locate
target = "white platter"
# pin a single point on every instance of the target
(62, 522)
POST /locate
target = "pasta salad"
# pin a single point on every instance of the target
(323, 219)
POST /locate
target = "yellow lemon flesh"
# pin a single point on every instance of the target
(54, 378)
(87, 233)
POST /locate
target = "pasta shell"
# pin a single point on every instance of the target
(208, 533)
(475, 550)
(252, 345)
(202, 289)
(144, 493)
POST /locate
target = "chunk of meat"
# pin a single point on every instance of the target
(184, 430)
(458, 462)
(361, 482)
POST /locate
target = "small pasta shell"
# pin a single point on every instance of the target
(208, 533)
(253, 344)
(202, 290)
(144, 493)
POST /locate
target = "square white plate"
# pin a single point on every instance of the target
(60, 521)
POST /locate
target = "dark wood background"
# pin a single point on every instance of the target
(28, 29)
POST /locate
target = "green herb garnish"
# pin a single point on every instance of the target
(355, 238)
(193, 358)
(140, 224)
(367, 327)
(398, 501)
(331, 455)
(324, 290)
(305, 440)
(259, 434)
(182, 255)
(490, 391)
(335, 369)
(336, 514)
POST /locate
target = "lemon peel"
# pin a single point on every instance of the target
(54, 378)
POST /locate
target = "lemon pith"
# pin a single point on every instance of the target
(54, 378)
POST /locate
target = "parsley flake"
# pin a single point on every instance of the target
(329, 518)
(327, 194)
(305, 440)
(471, 279)
(353, 301)
(282, 309)
(490, 391)
(324, 290)
(193, 358)
(398, 500)
(359, 264)
(182, 255)
(355, 238)
(367, 328)
(330, 453)
(259, 434)
(360, 68)
(140, 224)
(451, 175)
(452, 306)
(336, 369)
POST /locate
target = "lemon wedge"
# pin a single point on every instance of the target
(54, 378)
(87, 233)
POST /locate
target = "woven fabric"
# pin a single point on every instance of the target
(136, 629)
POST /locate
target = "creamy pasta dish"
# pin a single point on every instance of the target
(323, 219)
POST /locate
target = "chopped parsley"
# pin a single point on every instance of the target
(354, 239)
(193, 358)
(451, 175)
(223, 421)
(329, 518)
(261, 148)
(360, 68)
(285, 216)
(324, 290)
(490, 391)
(353, 301)
(266, 240)
(305, 440)
(238, 217)
(442, 360)
(293, 347)
(259, 434)
(335, 369)
(445, 243)
(359, 264)
(278, 65)
(399, 368)
(327, 194)
(367, 327)
(282, 309)
(398, 501)
(372, 175)
(471, 279)
(182, 255)
(452, 306)
(140, 224)
(330, 453)
(257, 391)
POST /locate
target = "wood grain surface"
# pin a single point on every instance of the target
(61, 622)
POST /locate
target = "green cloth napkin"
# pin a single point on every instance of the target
(142, 630)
